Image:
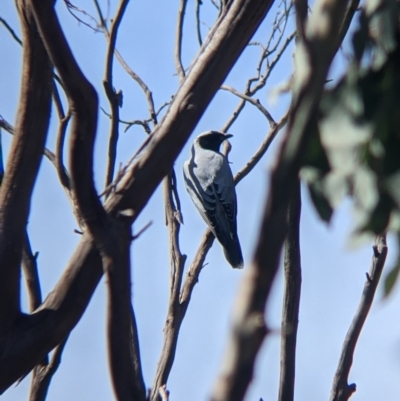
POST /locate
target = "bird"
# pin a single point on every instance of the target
(209, 182)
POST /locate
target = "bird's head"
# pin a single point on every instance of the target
(211, 140)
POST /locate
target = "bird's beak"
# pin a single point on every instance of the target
(227, 136)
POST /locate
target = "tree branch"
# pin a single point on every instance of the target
(249, 328)
(111, 236)
(177, 261)
(42, 331)
(44, 373)
(198, 23)
(178, 307)
(178, 40)
(148, 94)
(23, 165)
(254, 102)
(29, 267)
(291, 300)
(123, 343)
(113, 97)
(341, 390)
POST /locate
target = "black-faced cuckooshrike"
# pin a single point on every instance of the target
(209, 181)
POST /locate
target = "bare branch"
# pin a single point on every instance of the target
(29, 266)
(113, 97)
(24, 160)
(44, 373)
(262, 149)
(66, 303)
(123, 343)
(178, 40)
(249, 328)
(291, 299)
(256, 83)
(341, 390)
(72, 8)
(198, 23)
(10, 30)
(148, 94)
(164, 393)
(177, 261)
(83, 103)
(62, 128)
(254, 102)
(177, 311)
(112, 237)
(10, 129)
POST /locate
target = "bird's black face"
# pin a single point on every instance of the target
(213, 140)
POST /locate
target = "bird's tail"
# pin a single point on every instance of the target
(233, 253)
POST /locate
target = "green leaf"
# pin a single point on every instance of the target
(343, 129)
(377, 221)
(391, 279)
(321, 204)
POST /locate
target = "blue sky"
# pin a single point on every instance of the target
(333, 274)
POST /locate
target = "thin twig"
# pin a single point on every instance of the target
(178, 40)
(29, 266)
(255, 102)
(10, 30)
(256, 83)
(262, 149)
(198, 24)
(64, 119)
(341, 390)
(148, 94)
(71, 8)
(10, 129)
(113, 97)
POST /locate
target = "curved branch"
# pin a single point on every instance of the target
(254, 102)
(341, 390)
(83, 102)
(111, 237)
(113, 97)
(23, 164)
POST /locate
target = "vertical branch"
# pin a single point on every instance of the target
(198, 22)
(178, 40)
(175, 313)
(64, 119)
(29, 267)
(249, 328)
(111, 236)
(341, 390)
(23, 163)
(178, 307)
(114, 98)
(291, 303)
(123, 344)
(173, 220)
(43, 373)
